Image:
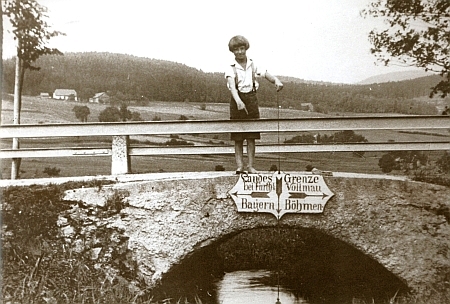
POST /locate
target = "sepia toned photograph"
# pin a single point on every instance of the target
(232, 152)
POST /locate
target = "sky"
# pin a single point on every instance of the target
(320, 40)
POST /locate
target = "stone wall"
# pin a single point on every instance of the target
(401, 224)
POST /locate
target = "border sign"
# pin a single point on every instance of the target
(281, 193)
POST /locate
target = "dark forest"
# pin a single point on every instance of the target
(129, 78)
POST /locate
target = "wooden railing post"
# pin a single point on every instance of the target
(120, 158)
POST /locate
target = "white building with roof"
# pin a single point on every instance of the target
(65, 94)
(101, 97)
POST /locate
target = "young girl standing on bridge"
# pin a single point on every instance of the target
(241, 81)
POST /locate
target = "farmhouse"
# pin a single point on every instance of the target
(307, 107)
(65, 94)
(100, 98)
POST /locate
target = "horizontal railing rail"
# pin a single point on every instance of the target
(203, 150)
(226, 126)
(120, 150)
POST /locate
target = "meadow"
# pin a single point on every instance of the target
(35, 273)
(43, 111)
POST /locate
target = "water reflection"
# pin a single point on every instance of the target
(243, 287)
(312, 266)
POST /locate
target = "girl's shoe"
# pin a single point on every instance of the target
(252, 170)
(240, 171)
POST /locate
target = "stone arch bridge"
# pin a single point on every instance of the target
(403, 225)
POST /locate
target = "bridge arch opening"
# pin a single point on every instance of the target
(315, 266)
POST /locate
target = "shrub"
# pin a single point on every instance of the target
(110, 114)
(81, 112)
(52, 171)
(432, 177)
(304, 139)
(402, 160)
(219, 168)
(136, 116)
(443, 163)
(38, 266)
(114, 114)
(345, 136)
(178, 142)
(348, 136)
(116, 202)
(387, 163)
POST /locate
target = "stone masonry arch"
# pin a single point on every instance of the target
(403, 225)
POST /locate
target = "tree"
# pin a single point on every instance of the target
(31, 34)
(387, 163)
(347, 136)
(402, 160)
(110, 114)
(125, 114)
(1, 61)
(113, 114)
(418, 34)
(81, 112)
(1, 67)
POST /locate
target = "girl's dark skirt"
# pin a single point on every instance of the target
(251, 103)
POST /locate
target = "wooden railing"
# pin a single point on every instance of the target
(120, 150)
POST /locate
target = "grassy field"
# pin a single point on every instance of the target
(42, 111)
(43, 269)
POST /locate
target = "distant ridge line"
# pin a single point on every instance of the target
(395, 76)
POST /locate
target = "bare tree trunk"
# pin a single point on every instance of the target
(15, 166)
(1, 75)
(1, 64)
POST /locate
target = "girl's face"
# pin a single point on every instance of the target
(240, 52)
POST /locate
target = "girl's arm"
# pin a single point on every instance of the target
(234, 93)
(274, 80)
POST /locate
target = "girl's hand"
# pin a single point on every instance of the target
(241, 106)
(278, 85)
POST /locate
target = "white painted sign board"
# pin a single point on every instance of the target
(280, 193)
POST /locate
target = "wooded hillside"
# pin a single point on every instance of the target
(127, 78)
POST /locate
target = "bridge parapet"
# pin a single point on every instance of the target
(120, 151)
(403, 225)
